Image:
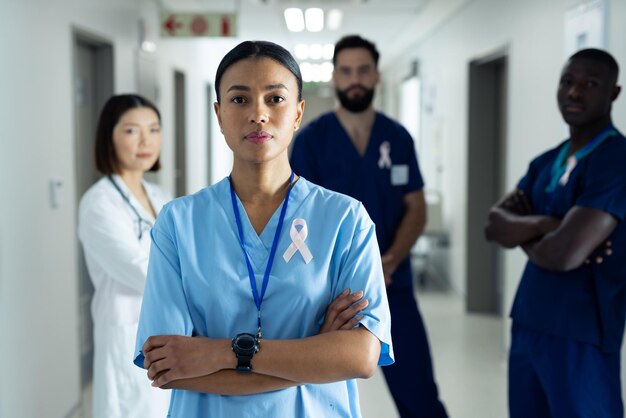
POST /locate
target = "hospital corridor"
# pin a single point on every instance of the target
(454, 165)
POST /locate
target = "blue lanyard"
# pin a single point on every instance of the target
(560, 165)
(258, 300)
(140, 220)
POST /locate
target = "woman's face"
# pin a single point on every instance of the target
(137, 140)
(259, 109)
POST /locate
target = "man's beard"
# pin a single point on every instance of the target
(357, 104)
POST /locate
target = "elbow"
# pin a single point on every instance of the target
(491, 235)
(490, 228)
(368, 361)
(366, 370)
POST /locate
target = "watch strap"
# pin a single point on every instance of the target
(244, 363)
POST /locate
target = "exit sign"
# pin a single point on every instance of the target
(198, 24)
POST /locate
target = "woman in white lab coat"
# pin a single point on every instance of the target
(115, 217)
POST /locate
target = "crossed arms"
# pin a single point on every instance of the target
(338, 352)
(551, 243)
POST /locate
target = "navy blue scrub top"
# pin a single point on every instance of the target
(324, 154)
(587, 304)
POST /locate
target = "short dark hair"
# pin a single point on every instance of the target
(258, 49)
(355, 41)
(600, 56)
(114, 108)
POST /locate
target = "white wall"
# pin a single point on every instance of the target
(39, 322)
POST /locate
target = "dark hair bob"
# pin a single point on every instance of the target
(114, 108)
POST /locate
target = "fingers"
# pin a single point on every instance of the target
(153, 356)
(163, 378)
(606, 251)
(518, 203)
(346, 320)
(344, 300)
(342, 310)
(155, 341)
(524, 203)
(352, 323)
(157, 368)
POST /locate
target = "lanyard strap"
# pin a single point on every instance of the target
(258, 299)
(127, 200)
(562, 162)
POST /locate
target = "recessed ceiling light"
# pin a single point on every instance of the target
(333, 21)
(314, 18)
(294, 19)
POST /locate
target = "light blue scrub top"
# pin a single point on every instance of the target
(198, 284)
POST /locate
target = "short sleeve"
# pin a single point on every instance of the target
(164, 310)
(362, 270)
(605, 180)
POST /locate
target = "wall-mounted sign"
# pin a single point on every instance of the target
(198, 24)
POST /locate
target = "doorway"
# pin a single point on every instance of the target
(93, 85)
(485, 179)
(180, 135)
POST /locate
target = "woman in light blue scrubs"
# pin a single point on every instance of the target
(241, 274)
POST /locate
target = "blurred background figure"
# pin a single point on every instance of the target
(567, 214)
(115, 217)
(357, 151)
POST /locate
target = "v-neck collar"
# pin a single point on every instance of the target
(346, 136)
(258, 246)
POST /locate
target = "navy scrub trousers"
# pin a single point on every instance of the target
(410, 378)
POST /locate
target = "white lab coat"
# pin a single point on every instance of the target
(117, 262)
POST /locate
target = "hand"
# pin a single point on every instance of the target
(174, 357)
(601, 253)
(517, 203)
(389, 267)
(341, 312)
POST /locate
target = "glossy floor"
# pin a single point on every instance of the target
(469, 360)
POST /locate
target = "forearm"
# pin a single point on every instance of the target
(325, 358)
(409, 230)
(537, 253)
(578, 236)
(511, 230)
(230, 382)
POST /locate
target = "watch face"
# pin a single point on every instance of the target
(245, 342)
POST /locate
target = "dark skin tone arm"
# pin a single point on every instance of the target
(580, 233)
(551, 243)
(511, 222)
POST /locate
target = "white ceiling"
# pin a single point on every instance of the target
(392, 25)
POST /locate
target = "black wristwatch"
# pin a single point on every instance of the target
(245, 346)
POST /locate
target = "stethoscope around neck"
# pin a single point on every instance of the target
(140, 220)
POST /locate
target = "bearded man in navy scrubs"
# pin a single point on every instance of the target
(567, 214)
(362, 153)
